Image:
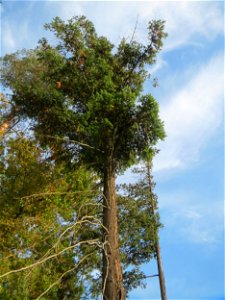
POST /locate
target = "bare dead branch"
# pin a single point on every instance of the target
(65, 139)
(60, 278)
(89, 242)
(54, 193)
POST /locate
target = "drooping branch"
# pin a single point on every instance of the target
(72, 141)
(87, 219)
(64, 274)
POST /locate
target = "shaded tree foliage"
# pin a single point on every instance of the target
(45, 209)
(39, 201)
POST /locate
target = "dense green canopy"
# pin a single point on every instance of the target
(86, 90)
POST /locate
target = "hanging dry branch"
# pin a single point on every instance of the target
(65, 273)
(39, 262)
(107, 268)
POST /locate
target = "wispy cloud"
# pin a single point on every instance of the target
(160, 63)
(192, 116)
(17, 25)
(201, 224)
(15, 36)
(64, 9)
(186, 21)
(193, 218)
(8, 37)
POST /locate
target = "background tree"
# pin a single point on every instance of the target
(41, 201)
(48, 218)
(87, 95)
(143, 192)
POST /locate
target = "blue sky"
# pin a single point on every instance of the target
(189, 168)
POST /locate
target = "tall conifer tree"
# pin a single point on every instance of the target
(87, 95)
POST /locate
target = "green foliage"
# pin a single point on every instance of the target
(99, 101)
(40, 202)
(138, 228)
(25, 171)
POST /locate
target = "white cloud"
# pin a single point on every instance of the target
(192, 217)
(160, 63)
(192, 115)
(202, 224)
(8, 38)
(209, 227)
(186, 21)
(65, 9)
(14, 36)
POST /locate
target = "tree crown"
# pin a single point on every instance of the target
(85, 90)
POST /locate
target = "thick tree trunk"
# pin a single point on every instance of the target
(112, 272)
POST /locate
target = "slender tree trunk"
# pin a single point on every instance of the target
(157, 246)
(112, 272)
(160, 270)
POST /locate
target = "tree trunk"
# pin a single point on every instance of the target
(160, 270)
(157, 246)
(112, 272)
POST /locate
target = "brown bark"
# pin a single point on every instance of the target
(112, 272)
